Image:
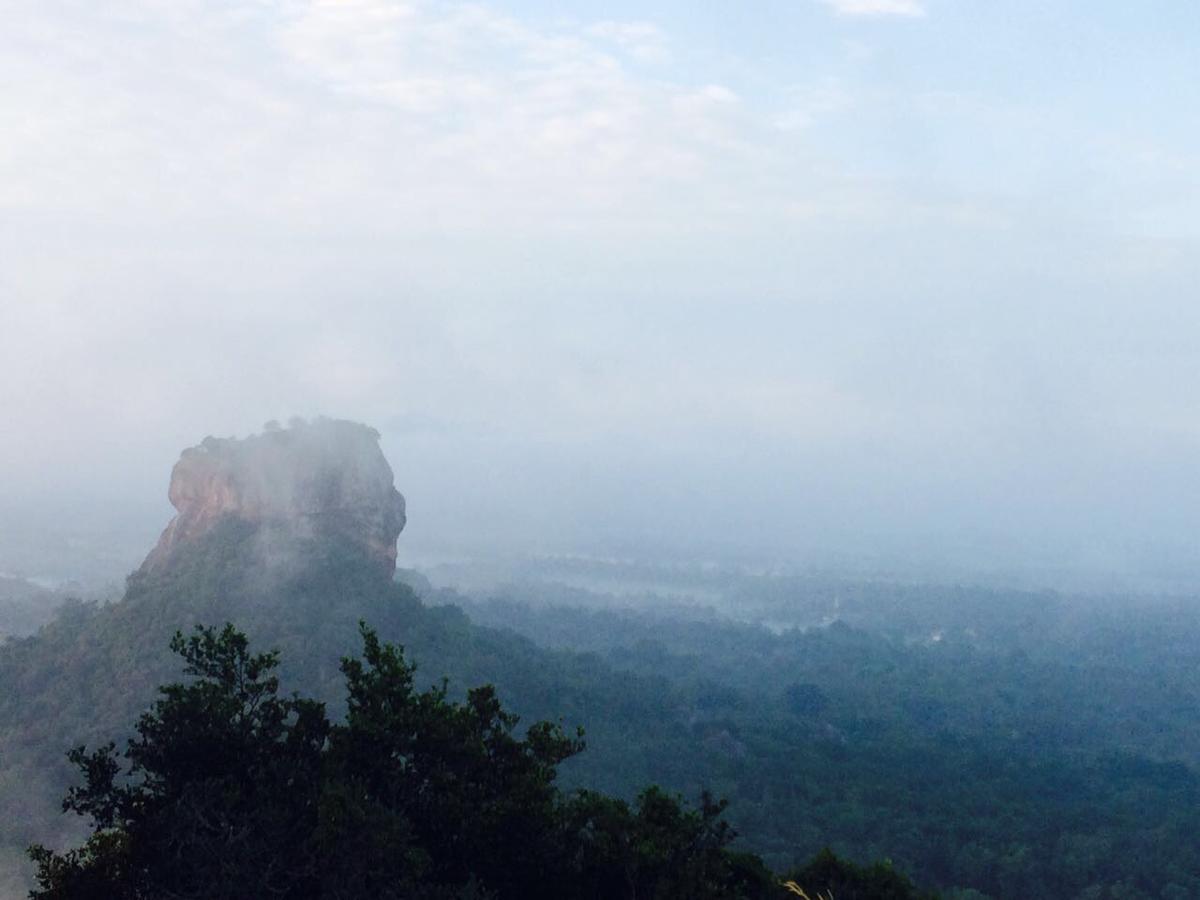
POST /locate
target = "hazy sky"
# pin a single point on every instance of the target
(843, 277)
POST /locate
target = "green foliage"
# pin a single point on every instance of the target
(219, 794)
(1026, 762)
(229, 790)
(828, 875)
(659, 849)
(1038, 750)
(451, 779)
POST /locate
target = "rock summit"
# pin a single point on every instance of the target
(311, 480)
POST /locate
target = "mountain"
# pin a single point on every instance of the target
(291, 534)
(292, 488)
(1000, 757)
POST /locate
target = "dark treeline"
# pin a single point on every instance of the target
(233, 791)
(977, 760)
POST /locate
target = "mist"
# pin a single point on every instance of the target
(454, 448)
(887, 288)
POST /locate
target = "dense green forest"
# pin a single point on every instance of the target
(989, 744)
(233, 791)
(1024, 744)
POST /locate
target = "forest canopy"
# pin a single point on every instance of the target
(230, 789)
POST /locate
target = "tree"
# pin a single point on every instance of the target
(450, 779)
(228, 790)
(220, 793)
(826, 874)
(659, 849)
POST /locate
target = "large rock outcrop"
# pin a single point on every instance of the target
(312, 480)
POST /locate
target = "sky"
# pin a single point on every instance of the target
(852, 282)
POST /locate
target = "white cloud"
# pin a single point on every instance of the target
(643, 41)
(394, 112)
(808, 104)
(197, 167)
(485, 109)
(876, 7)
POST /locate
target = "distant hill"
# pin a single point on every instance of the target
(24, 607)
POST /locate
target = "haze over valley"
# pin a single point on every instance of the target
(650, 450)
(895, 286)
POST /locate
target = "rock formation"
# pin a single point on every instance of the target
(311, 480)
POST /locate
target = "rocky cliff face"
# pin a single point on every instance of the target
(301, 483)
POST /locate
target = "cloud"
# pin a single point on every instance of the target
(643, 41)
(366, 112)
(807, 105)
(910, 8)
